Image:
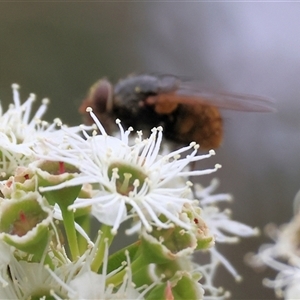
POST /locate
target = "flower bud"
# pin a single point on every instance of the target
(24, 222)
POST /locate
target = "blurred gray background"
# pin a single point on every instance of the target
(58, 49)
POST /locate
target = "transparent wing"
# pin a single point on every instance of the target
(189, 93)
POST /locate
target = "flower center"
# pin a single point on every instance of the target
(127, 178)
(26, 222)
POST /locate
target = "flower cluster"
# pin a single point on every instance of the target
(57, 179)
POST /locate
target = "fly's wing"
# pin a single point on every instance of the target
(189, 93)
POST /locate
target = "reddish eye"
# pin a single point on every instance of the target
(99, 97)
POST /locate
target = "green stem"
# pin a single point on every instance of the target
(106, 237)
(85, 223)
(136, 265)
(69, 224)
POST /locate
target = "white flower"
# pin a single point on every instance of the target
(286, 283)
(18, 131)
(224, 230)
(219, 222)
(208, 272)
(90, 285)
(83, 283)
(65, 280)
(132, 180)
(23, 280)
(16, 128)
(282, 256)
